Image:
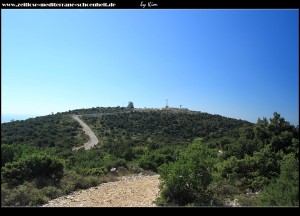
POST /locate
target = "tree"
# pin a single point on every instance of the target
(278, 124)
(261, 130)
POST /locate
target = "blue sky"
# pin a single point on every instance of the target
(236, 63)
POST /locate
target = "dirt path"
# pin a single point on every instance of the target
(130, 191)
(93, 139)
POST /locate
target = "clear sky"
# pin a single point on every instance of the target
(237, 63)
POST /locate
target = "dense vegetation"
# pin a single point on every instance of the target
(203, 159)
(48, 131)
(260, 168)
(135, 133)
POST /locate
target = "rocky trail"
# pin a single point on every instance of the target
(128, 191)
(93, 139)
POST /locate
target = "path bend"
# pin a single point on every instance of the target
(88, 131)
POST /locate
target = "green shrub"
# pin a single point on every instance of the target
(284, 191)
(52, 192)
(25, 195)
(114, 162)
(73, 181)
(96, 171)
(85, 182)
(185, 182)
(152, 161)
(7, 154)
(31, 167)
(133, 167)
(252, 172)
(221, 190)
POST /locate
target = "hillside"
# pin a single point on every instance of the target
(58, 130)
(63, 132)
(232, 156)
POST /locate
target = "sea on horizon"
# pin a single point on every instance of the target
(13, 117)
